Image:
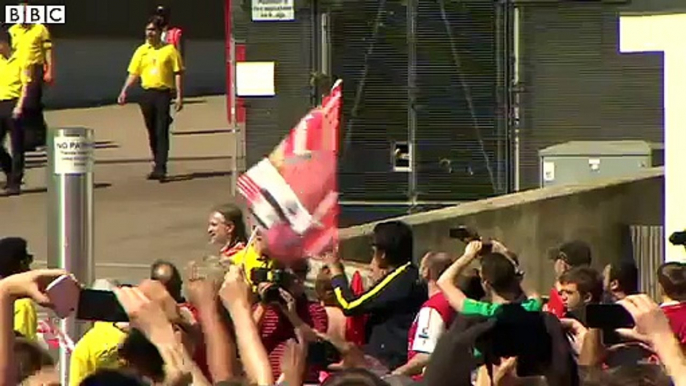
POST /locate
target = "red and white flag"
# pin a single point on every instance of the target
(293, 193)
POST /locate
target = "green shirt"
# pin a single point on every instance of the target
(478, 308)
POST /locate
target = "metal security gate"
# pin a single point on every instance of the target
(427, 106)
(291, 45)
(460, 145)
(369, 51)
(576, 85)
(424, 107)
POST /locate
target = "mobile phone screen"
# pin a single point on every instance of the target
(100, 306)
(608, 316)
(322, 354)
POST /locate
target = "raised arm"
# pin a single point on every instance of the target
(447, 281)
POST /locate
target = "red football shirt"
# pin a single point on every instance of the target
(555, 305)
(173, 37)
(276, 330)
(676, 313)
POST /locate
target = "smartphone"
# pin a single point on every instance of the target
(464, 234)
(67, 296)
(97, 305)
(63, 293)
(322, 354)
(608, 316)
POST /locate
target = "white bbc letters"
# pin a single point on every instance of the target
(665, 33)
(34, 14)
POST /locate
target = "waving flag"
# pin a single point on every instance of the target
(293, 193)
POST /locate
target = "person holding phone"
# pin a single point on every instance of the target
(500, 277)
(98, 348)
(278, 321)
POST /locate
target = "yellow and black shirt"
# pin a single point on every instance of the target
(14, 75)
(156, 66)
(31, 43)
(391, 305)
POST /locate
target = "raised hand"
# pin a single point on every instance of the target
(30, 284)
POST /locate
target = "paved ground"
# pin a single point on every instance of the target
(137, 221)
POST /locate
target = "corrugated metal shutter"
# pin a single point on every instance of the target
(576, 84)
(453, 47)
(369, 52)
(648, 251)
(289, 44)
(456, 107)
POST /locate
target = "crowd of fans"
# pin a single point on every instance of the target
(241, 318)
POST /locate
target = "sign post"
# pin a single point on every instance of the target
(70, 215)
(273, 10)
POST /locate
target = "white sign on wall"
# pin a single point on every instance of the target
(255, 79)
(664, 33)
(548, 171)
(74, 155)
(273, 10)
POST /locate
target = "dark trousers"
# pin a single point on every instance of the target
(13, 165)
(33, 120)
(155, 108)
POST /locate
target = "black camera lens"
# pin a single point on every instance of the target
(271, 295)
(678, 238)
(259, 275)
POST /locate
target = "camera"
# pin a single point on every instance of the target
(467, 235)
(678, 238)
(276, 278)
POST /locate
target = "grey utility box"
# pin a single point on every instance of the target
(581, 161)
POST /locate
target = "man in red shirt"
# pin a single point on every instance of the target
(433, 319)
(274, 325)
(672, 279)
(569, 255)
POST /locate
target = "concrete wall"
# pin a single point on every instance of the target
(532, 222)
(91, 71)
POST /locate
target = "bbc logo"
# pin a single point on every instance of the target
(35, 14)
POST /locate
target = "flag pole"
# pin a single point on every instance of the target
(251, 240)
(237, 137)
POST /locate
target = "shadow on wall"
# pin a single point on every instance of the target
(534, 221)
(91, 72)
